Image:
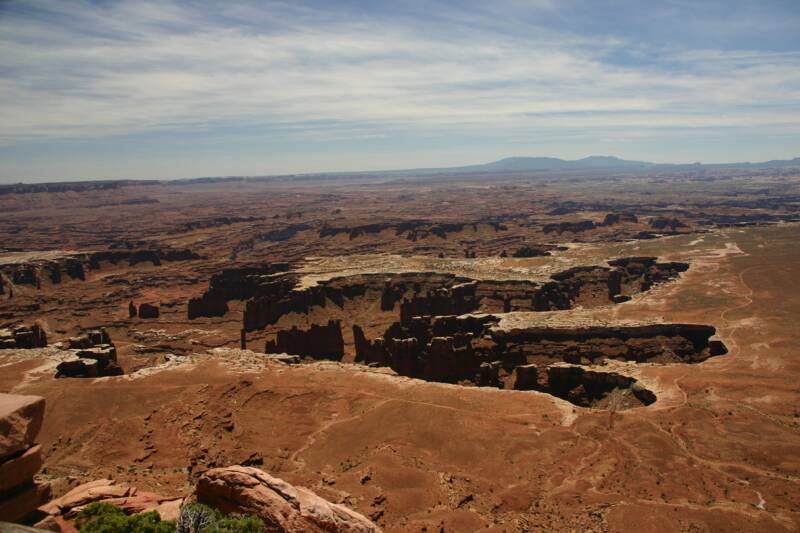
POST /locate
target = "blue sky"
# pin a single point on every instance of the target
(158, 89)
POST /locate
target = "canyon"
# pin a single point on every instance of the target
(486, 352)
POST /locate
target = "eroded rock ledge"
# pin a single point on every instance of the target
(471, 350)
(272, 291)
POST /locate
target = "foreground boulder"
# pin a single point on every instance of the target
(285, 508)
(20, 458)
(129, 499)
(20, 421)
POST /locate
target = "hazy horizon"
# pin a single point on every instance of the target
(161, 90)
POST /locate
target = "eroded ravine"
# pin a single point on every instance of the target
(446, 328)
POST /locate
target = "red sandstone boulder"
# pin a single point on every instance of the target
(20, 421)
(20, 470)
(282, 506)
(127, 498)
(98, 490)
(21, 504)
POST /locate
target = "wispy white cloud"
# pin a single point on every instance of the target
(84, 70)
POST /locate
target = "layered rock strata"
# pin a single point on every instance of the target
(20, 457)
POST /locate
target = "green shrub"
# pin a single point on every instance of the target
(199, 518)
(101, 517)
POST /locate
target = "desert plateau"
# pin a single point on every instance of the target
(595, 356)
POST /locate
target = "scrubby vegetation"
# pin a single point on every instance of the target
(194, 518)
(101, 517)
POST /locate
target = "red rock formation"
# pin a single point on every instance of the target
(149, 310)
(467, 349)
(129, 499)
(234, 284)
(283, 507)
(580, 386)
(94, 355)
(573, 227)
(20, 458)
(274, 295)
(369, 352)
(661, 223)
(616, 218)
(23, 337)
(319, 342)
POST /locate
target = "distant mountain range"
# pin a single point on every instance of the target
(601, 163)
(592, 165)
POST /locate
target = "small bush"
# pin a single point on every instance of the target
(199, 518)
(237, 524)
(101, 517)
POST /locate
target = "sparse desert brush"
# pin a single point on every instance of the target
(101, 517)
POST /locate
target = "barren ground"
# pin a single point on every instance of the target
(719, 450)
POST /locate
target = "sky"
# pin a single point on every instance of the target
(160, 89)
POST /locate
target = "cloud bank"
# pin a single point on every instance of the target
(306, 73)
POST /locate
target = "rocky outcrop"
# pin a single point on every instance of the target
(587, 388)
(664, 223)
(319, 342)
(75, 266)
(33, 273)
(656, 343)
(278, 296)
(20, 457)
(455, 300)
(212, 223)
(473, 350)
(572, 227)
(271, 293)
(235, 284)
(597, 285)
(530, 251)
(149, 310)
(412, 230)
(23, 337)
(129, 499)
(612, 219)
(283, 507)
(133, 257)
(93, 355)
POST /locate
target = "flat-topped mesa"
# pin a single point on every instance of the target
(572, 227)
(133, 257)
(665, 223)
(612, 219)
(93, 355)
(23, 337)
(412, 230)
(75, 265)
(318, 342)
(438, 294)
(594, 286)
(235, 284)
(35, 272)
(652, 343)
(273, 300)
